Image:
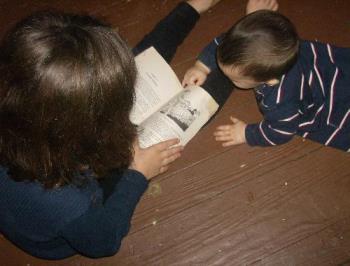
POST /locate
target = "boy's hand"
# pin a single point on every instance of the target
(255, 5)
(156, 159)
(196, 75)
(233, 134)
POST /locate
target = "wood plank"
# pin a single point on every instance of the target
(330, 246)
(258, 214)
(286, 205)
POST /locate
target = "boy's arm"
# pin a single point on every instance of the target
(208, 55)
(264, 134)
(99, 232)
(205, 64)
(278, 127)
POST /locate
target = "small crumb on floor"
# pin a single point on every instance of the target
(154, 222)
(154, 190)
(243, 165)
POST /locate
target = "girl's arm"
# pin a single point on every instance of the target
(99, 232)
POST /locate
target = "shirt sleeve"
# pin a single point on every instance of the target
(278, 127)
(208, 54)
(99, 232)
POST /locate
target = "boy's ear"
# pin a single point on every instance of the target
(272, 82)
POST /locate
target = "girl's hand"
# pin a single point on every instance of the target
(155, 160)
(233, 134)
(196, 75)
(255, 5)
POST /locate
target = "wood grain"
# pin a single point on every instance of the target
(287, 205)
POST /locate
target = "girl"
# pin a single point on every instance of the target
(71, 172)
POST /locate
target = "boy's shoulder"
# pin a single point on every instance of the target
(286, 91)
(315, 50)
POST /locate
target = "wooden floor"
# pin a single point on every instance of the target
(287, 205)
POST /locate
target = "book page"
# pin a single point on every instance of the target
(156, 84)
(182, 117)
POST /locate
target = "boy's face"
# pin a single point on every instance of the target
(234, 74)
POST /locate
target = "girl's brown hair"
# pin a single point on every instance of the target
(263, 44)
(66, 91)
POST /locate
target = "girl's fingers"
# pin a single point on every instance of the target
(163, 169)
(222, 133)
(168, 160)
(228, 143)
(171, 151)
(164, 145)
(234, 119)
(170, 155)
(223, 128)
(224, 138)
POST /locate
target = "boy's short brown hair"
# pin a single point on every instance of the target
(264, 44)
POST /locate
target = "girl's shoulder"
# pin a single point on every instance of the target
(66, 200)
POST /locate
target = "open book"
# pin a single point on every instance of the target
(163, 108)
